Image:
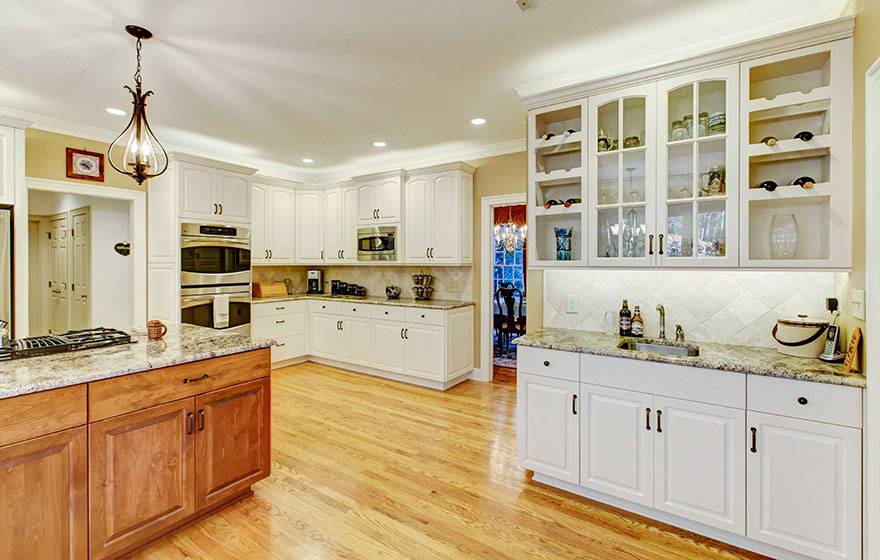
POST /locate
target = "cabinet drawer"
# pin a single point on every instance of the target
(279, 326)
(288, 348)
(331, 307)
(37, 414)
(425, 316)
(822, 402)
(353, 309)
(549, 363)
(389, 313)
(119, 395)
(277, 308)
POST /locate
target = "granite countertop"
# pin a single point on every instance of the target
(374, 300)
(713, 355)
(182, 344)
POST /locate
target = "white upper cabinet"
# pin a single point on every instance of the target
(309, 226)
(7, 164)
(622, 177)
(260, 223)
(332, 225)
(439, 215)
(214, 195)
(349, 224)
(697, 170)
(379, 197)
(272, 235)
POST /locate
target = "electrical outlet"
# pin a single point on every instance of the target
(452, 287)
(857, 301)
(571, 304)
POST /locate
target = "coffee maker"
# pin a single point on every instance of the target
(315, 281)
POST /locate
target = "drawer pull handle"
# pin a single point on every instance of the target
(386, 313)
(281, 322)
(423, 316)
(574, 399)
(188, 380)
(280, 344)
(659, 425)
(406, 334)
(190, 422)
(802, 400)
(754, 448)
(201, 419)
(648, 419)
(280, 308)
(546, 363)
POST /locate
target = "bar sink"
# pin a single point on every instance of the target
(659, 348)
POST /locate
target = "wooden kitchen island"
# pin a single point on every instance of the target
(104, 451)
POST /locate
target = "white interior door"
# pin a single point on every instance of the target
(349, 224)
(700, 464)
(357, 338)
(59, 262)
(617, 443)
(80, 268)
(804, 486)
(389, 348)
(547, 428)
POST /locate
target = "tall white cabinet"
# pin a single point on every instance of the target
(439, 215)
(340, 224)
(380, 197)
(309, 226)
(273, 204)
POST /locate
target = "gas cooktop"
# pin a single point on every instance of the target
(68, 342)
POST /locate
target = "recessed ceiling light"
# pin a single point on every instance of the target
(379, 144)
(308, 160)
(478, 121)
(112, 111)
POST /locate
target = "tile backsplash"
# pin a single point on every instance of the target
(376, 278)
(737, 307)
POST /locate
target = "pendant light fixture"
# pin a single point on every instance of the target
(142, 156)
(508, 236)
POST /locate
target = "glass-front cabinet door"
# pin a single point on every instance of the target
(622, 177)
(697, 169)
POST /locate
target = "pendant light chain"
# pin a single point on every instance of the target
(137, 73)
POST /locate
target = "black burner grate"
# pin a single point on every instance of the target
(67, 342)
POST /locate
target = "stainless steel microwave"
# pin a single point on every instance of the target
(377, 243)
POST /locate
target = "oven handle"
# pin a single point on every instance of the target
(192, 301)
(189, 243)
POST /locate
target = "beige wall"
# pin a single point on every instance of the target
(46, 158)
(507, 174)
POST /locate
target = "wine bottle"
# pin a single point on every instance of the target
(638, 324)
(571, 201)
(547, 136)
(551, 203)
(769, 185)
(804, 182)
(769, 140)
(804, 135)
(625, 320)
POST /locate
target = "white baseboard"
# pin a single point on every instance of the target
(439, 385)
(693, 526)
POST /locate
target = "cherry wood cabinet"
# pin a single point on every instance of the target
(43, 497)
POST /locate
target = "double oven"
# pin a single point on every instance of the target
(215, 276)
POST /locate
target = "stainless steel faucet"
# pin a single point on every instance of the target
(662, 311)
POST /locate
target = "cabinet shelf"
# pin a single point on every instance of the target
(790, 191)
(559, 210)
(559, 174)
(791, 146)
(558, 121)
(559, 139)
(793, 98)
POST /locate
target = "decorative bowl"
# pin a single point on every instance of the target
(392, 292)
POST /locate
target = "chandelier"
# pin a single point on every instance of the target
(508, 236)
(143, 156)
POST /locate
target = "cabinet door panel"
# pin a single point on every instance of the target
(234, 197)
(325, 336)
(43, 497)
(418, 226)
(332, 225)
(282, 220)
(349, 224)
(368, 202)
(617, 443)
(699, 463)
(547, 426)
(141, 476)
(389, 200)
(261, 238)
(197, 191)
(309, 226)
(232, 441)
(804, 486)
(389, 347)
(425, 351)
(356, 345)
(445, 217)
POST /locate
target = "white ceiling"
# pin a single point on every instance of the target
(268, 82)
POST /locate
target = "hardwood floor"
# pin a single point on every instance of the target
(366, 468)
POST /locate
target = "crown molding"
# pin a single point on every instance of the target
(741, 47)
(383, 175)
(14, 122)
(455, 166)
(210, 162)
(262, 179)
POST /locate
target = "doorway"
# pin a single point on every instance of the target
(510, 250)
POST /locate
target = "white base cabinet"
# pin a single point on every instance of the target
(678, 443)
(284, 322)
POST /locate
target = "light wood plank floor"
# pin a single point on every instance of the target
(365, 468)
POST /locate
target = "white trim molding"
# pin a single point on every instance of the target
(487, 205)
(138, 223)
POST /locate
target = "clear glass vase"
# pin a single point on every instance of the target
(783, 236)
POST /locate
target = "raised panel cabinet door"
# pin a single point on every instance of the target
(141, 476)
(700, 464)
(44, 497)
(368, 202)
(332, 225)
(309, 225)
(261, 223)
(418, 222)
(233, 441)
(234, 197)
(445, 217)
(425, 351)
(356, 338)
(617, 443)
(7, 165)
(804, 486)
(389, 200)
(547, 428)
(325, 335)
(349, 224)
(281, 212)
(198, 186)
(389, 347)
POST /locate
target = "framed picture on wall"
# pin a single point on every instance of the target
(82, 164)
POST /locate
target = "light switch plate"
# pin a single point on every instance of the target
(571, 304)
(857, 301)
(452, 287)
